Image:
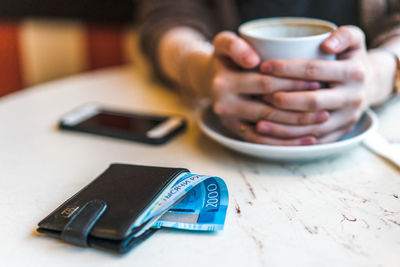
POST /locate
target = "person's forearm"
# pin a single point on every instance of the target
(184, 56)
(385, 66)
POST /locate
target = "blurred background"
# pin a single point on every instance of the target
(49, 39)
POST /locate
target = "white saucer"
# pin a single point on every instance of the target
(210, 125)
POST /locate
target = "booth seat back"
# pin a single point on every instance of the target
(33, 51)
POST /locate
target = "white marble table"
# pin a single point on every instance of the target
(343, 211)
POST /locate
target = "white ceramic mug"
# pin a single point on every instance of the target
(287, 37)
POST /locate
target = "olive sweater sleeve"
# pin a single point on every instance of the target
(380, 19)
(158, 16)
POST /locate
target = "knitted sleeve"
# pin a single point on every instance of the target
(158, 16)
(381, 20)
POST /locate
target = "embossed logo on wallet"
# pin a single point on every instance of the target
(69, 210)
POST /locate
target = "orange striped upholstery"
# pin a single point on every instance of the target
(34, 51)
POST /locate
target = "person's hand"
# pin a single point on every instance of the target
(350, 79)
(234, 85)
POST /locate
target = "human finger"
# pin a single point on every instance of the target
(337, 120)
(254, 137)
(334, 136)
(329, 99)
(314, 69)
(256, 83)
(255, 111)
(229, 44)
(344, 38)
(247, 132)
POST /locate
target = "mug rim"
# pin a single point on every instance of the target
(312, 21)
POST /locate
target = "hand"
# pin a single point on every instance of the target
(233, 86)
(350, 80)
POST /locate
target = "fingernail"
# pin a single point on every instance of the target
(322, 116)
(266, 67)
(263, 127)
(313, 85)
(333, 43)
(309, 140)
(251, 59)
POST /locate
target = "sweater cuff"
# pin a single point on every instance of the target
(159, 16)
(151, 39)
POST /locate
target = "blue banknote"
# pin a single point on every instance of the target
(170, 196)
(190, 202)
(203, 208)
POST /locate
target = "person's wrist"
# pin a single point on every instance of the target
(195, 70)
(396, 73)
(383, 68)
(176, 45)
(396, 81)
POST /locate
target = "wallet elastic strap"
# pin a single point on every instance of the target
(79, 226)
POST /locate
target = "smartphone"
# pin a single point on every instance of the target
(149, 129)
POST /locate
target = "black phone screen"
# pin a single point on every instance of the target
(124, 125)
(118, 122)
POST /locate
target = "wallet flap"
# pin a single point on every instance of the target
(79, 226)
(126, 190)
